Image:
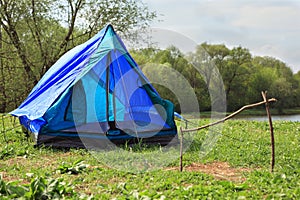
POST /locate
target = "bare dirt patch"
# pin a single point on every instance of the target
(9, 178)
(219, 170)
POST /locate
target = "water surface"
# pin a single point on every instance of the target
(293, 118)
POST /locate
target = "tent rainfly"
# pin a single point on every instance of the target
(96, 95)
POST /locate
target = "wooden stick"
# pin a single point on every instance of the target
(264, 95)
(181, 148)
(3, 128)
(229, 116)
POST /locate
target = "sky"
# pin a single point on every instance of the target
(265, 27)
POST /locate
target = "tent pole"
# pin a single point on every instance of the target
(108, 62)
(114, 99)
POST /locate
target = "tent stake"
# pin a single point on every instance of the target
(264, 95)
(181, 148)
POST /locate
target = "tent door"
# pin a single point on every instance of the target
(112, 124)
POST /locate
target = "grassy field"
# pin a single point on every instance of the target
(237, 166)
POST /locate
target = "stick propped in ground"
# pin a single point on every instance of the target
(266, 102)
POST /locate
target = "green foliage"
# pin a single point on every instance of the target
(211, 66)
(41, 188)
(7, 151)
(75, 168)
(38, 188)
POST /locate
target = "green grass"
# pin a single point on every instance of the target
(242, 144)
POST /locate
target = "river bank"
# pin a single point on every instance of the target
(251, 114)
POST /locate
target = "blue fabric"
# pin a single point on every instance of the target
(55, 81)
(60, 76)
(75, 91)
(128, 88)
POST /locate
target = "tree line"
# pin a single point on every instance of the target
(243, 75)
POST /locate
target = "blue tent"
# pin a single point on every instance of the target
(96, 94)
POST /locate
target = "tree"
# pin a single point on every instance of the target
(172, 85)
(262, 79)
(236, 72)
(2, 81)
(41, 31)
(297, 91)
(278, 79)
(282, 90)
(234, 66)
(206, 61)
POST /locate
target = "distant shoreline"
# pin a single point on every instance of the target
(250, 112)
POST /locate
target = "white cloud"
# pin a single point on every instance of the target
(269, 17)
(268, 27)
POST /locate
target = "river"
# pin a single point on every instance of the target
(293, 118)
